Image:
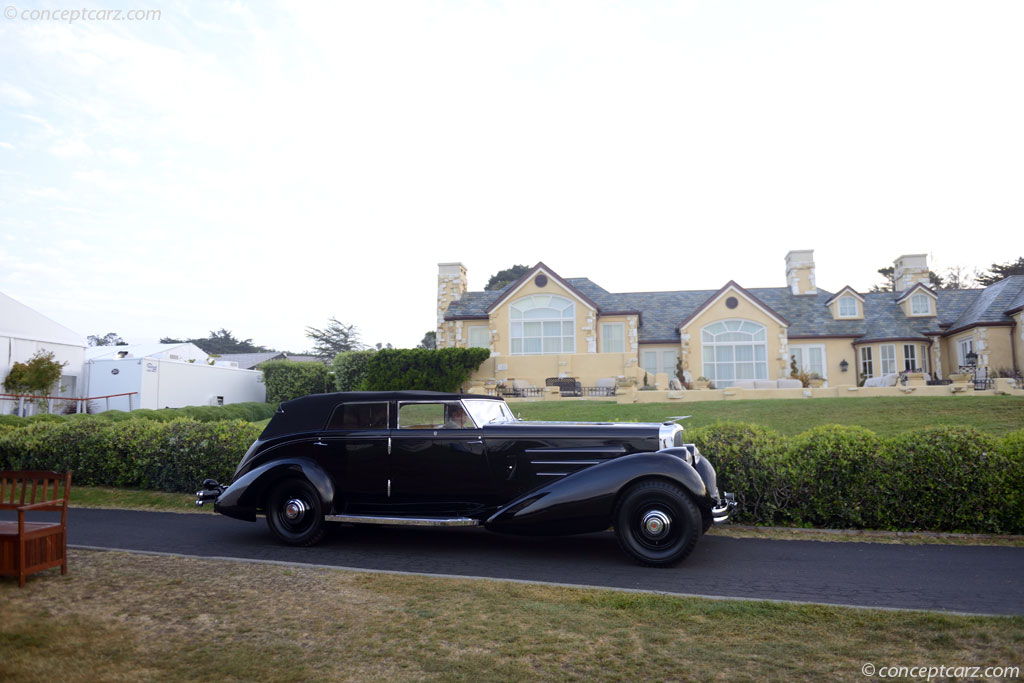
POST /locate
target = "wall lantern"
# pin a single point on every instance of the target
(843, 365)
(972, 358)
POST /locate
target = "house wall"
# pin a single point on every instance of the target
(586, 318)
(836, 351)
(998, 342)
(923, 352)
(586, 367)
(1018, 339)
(693, 363)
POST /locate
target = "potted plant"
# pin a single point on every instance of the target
(815, 381)
(702, 382)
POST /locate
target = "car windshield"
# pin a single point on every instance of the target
(488, 412)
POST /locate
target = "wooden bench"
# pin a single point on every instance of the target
(29, 547)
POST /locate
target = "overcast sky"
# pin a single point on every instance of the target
(265, 167)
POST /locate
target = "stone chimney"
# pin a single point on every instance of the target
(451, 285)
(910, 269)
(800, 272)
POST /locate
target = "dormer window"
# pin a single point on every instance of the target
(847, 307)
(919, 305)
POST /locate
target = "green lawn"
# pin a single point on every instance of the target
(885, 416)
(123, 617)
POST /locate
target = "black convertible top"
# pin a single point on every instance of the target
(310, 413)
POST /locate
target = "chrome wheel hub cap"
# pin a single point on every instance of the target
(294, 509)
(656, 524)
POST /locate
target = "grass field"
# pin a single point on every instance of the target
(885, 416)
(133, 617)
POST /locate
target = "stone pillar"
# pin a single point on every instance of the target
(451, 285)
(800, 272)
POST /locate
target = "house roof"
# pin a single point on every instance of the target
(808, 315)
(19, 321)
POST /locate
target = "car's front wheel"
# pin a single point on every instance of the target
(295, 513)
(657, 524)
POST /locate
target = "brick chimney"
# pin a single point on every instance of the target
(800, 272)
(451, 285)
(910, 269)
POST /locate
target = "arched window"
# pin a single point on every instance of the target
(734, 349)
(543, 323)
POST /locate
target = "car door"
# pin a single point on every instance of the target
(354, 450)
(438, 462)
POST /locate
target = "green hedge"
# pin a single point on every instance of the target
(249, 412)
(166, 456)
(350, 369)
(937, 479)
(426, 369)
(286, 380)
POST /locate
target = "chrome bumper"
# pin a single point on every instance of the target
(209, 493)
(721, 512)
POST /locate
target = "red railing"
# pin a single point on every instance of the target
(80, 403)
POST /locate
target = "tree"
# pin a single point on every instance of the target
(333, 339)
(37, 376)
(109, 339)
(505, 277)
(220, 342)
(958, 277)
(429, 341)
(999, 271)
(890, 280)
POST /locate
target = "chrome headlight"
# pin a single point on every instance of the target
(670, 435)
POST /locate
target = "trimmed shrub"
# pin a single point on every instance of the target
(286, 380)
(954, 479)
(250, 412)
(167, 456)
(836, 477)
(350, 369)
(426, 369)
(747, 460)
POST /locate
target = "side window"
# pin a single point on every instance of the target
(359, 416)
(446, 415)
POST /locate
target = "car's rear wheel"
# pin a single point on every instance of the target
(294, 512)
(657, 524)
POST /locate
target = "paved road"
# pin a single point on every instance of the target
(977, 579)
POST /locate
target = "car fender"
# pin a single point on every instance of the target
(584, 501)
(242, 498)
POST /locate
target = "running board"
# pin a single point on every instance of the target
(404, 521)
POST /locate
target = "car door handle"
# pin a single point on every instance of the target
(318, 442)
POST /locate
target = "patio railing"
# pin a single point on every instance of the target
(26, 403)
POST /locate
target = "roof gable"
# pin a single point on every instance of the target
(732, 286)
(538, 269)
(917, 287)
(845, 290)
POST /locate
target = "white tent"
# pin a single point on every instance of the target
(24, 331)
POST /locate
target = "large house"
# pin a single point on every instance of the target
(544, 325)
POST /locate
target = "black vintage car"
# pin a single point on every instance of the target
(427, 458)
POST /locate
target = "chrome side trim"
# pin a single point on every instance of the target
(404, 521)
(565, 462)
(581, 450)
(552, 474)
